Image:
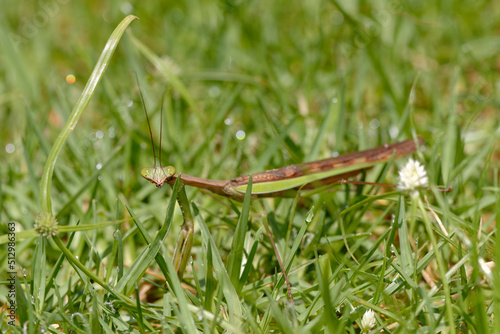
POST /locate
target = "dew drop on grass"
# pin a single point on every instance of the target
(99, 177)
(111, 132)
(393, 131)
(374, 123)
(335, 100)
(98, 166)
(214, 91)
(228, 121)
(335, 154)
(116, 234)
(10, 148)
(240, 135)
(99, 134)
(310, 215)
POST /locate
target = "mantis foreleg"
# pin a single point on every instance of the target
(185, 240)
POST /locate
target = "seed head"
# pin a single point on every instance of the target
(46, 224)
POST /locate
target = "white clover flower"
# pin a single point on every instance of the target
(412, 176)
(368, 321)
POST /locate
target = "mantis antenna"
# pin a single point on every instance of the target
(149, 124)
(161, 128)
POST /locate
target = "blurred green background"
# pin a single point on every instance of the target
(268, 83)
(255, 66)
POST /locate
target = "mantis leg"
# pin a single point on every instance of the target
(185, 240)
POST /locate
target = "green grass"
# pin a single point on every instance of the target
(304, 80)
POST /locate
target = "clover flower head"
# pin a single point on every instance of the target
(412, 176)
(368, 321)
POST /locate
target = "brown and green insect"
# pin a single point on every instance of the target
(284, 181)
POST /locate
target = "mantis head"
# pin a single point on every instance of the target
(158, 175)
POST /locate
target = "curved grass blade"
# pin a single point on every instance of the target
(236, 254)
(77, 112)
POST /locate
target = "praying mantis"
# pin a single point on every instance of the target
(284, 181)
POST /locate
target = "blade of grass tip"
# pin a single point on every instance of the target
(273, 147)
(478, 302)
(78, 266)
(250, 257)
(142, 262)
(91, 179)
(57, 266)
(382, 72)
(211, 284)
(297, 242)
(333, 116)
(410, 113)
(366, 256)
(269, 232)
(496, 273)
(119, 241)
(329, 318)
(279, 316)
(292, 216)
(94, 315)
(441, 267)
(31, 172)
(137, 222)
(237, 248)
(404, 237)
(227, 287)
(160, 260)
(450, 136)
(24, 309)
(114, 247)
(38, 272)
(77, 112)
(14, 61)
(199, 292)
(139, 309)
(184, 315)
(341, 121)
(388, 245)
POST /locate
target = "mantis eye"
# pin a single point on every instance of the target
(147, 173)
(169, 171)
